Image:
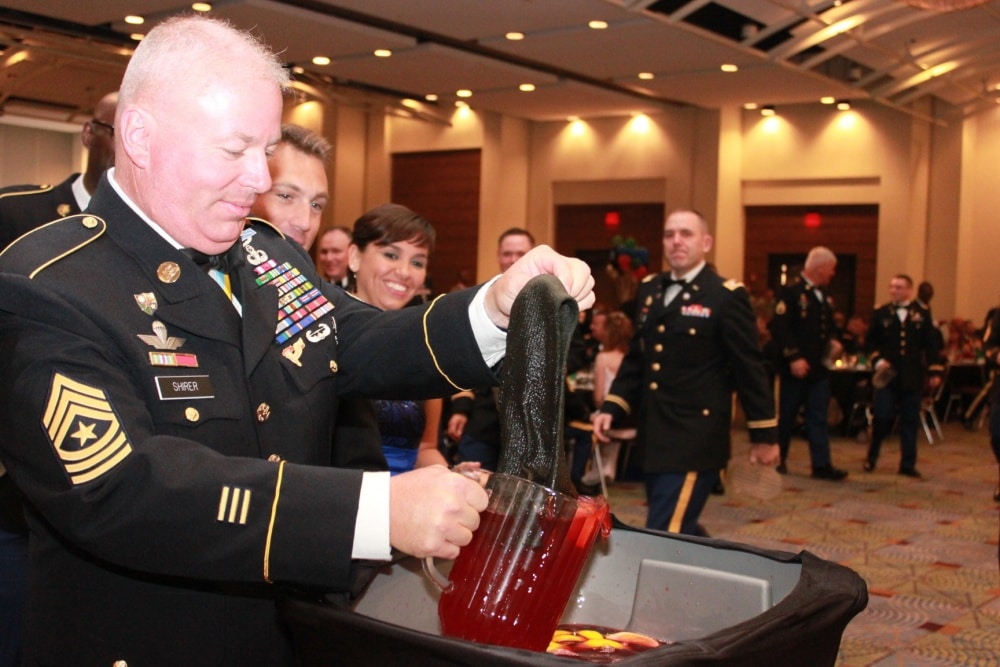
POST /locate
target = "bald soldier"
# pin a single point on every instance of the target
(176, 371)
(24, 207)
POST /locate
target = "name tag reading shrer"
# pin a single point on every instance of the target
(177, 387)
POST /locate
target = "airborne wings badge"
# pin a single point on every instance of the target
(83, 429)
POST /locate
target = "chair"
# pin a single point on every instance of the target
(860, 407)
(627, 437)
(928, 411)
(965, 381)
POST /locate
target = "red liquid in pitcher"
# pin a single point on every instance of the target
(514, 595)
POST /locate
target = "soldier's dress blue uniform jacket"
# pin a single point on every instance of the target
(22, 208)
(683, 364)
(144, 421)
(802, 327)
(913, 348)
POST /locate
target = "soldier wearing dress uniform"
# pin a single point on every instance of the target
(695, 343)
(903, 348)
(174, 376)
(24, 207)
(805, 334)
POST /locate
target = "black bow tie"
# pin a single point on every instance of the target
(224, 262)
(670, 280)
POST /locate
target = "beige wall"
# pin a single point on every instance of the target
(977, 272)
(38, 153)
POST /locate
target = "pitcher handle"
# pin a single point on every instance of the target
(434, 574)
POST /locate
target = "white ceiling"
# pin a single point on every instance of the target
(60, 56)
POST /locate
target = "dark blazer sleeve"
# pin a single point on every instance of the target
(746, 362)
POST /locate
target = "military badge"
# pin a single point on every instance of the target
(83, 429)
(173, 359)
(319, 333)
(63, 210)
(294, 352)
(168, 272)
(696, 310)
(780, 308)
(146, 302)
(160, 340)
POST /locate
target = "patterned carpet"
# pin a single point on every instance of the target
(927, 548)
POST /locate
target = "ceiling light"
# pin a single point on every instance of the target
(201, 7)
(382, 53)
(843, 105)
(729, 67)
(646, 76)
(463, 93)
(298, 69)
(826, 100)
(411, 104)
(137, 36)
(431, 97)
(640, 123)
(750, 106)
(767, 110)
(321, 60)
(597, 25)
(515, 36)
(461, 104)
(572, 119)
(131, 19)
(526, 87)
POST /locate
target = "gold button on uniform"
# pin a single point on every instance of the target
(192, 414)
(655, 366)
(706, 412)
(263, 412)
(654, 386)
(691, 331)
(168, 272)
(661, 329)
(333, 366)
(658, 347)
(89, 222)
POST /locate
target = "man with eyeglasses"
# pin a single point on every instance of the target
(24, 207)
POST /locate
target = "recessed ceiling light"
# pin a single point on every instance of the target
(843, 105)
(298, 69)
(461, 104)
(321, 60)
(137, 36)
(411, 104)
(646, 76)
(431, 97)
(382, 53)
(826, 100)
(729, 67)
(767, 110)
(131, 19)
(597, 25)
(201, 7)
(515, 36)
(526, 87)
(750, 106)
(572, 119)
(464, 93)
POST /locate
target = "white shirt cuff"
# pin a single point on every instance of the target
(371, 529)
(492, 340)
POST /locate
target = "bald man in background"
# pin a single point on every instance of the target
(24, 207)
